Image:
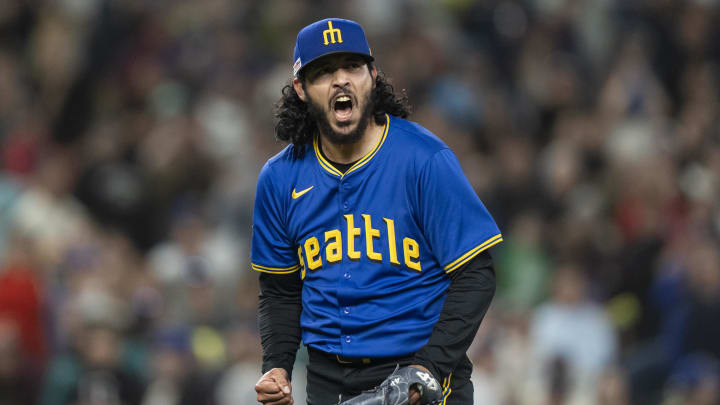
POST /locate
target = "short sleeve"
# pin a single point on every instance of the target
(271, 250)
(455, 221)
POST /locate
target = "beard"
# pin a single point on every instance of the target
(319, 115)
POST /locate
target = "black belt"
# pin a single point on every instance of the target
(358, 361)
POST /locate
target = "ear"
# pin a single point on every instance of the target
(373, 74)
(299, 89)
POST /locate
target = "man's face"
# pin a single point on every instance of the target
(337, 90)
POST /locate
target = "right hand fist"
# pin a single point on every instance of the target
(274, 388)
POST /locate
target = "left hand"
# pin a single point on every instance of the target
(414, 395)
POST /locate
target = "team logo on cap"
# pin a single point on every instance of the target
(330, 32)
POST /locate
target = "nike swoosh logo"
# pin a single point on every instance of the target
(300, 194)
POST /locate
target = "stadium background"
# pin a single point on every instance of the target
(132, 132)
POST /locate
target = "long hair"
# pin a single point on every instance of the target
(295, 124)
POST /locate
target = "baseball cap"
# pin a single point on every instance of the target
(324, 37)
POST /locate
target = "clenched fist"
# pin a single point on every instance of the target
(274, 388)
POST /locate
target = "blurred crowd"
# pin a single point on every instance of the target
(132, 133)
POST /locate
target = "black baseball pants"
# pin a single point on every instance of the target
(332, 379)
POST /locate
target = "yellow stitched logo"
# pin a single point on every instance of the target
(331, 32)
(300, 194)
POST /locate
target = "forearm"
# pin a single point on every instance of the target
(469, 295)
(279, 319)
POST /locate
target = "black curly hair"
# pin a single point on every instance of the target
(296, 125)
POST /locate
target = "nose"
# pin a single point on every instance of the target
(340, 78)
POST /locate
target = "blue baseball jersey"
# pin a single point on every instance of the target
(374, 245)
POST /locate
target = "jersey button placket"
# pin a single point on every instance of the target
(343, 191)
(344, 187)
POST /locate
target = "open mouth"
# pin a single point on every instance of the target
(343, 106)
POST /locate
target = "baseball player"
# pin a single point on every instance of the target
(370, 243)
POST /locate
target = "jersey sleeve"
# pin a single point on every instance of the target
(271, 250)
(455, 222)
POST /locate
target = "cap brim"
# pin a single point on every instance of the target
(367, 57)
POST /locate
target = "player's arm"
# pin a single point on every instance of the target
(274, 256)
(279, 319)
(471, 290)
(460, 230)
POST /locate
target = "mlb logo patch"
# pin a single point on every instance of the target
(297, 66)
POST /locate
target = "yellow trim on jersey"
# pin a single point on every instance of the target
(446, 388)
(324, 163)
(275, 270)
(372, 153)
(330, 168)
(473, 252)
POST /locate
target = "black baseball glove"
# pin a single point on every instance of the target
(395, 390)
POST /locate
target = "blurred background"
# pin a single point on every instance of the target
(132, 133)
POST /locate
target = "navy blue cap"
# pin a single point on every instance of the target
(331, 35)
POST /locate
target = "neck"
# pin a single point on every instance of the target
(351, 152)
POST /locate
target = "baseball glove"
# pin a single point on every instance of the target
(395, 389)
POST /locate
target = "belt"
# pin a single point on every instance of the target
(355, 361)
(358, 361)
